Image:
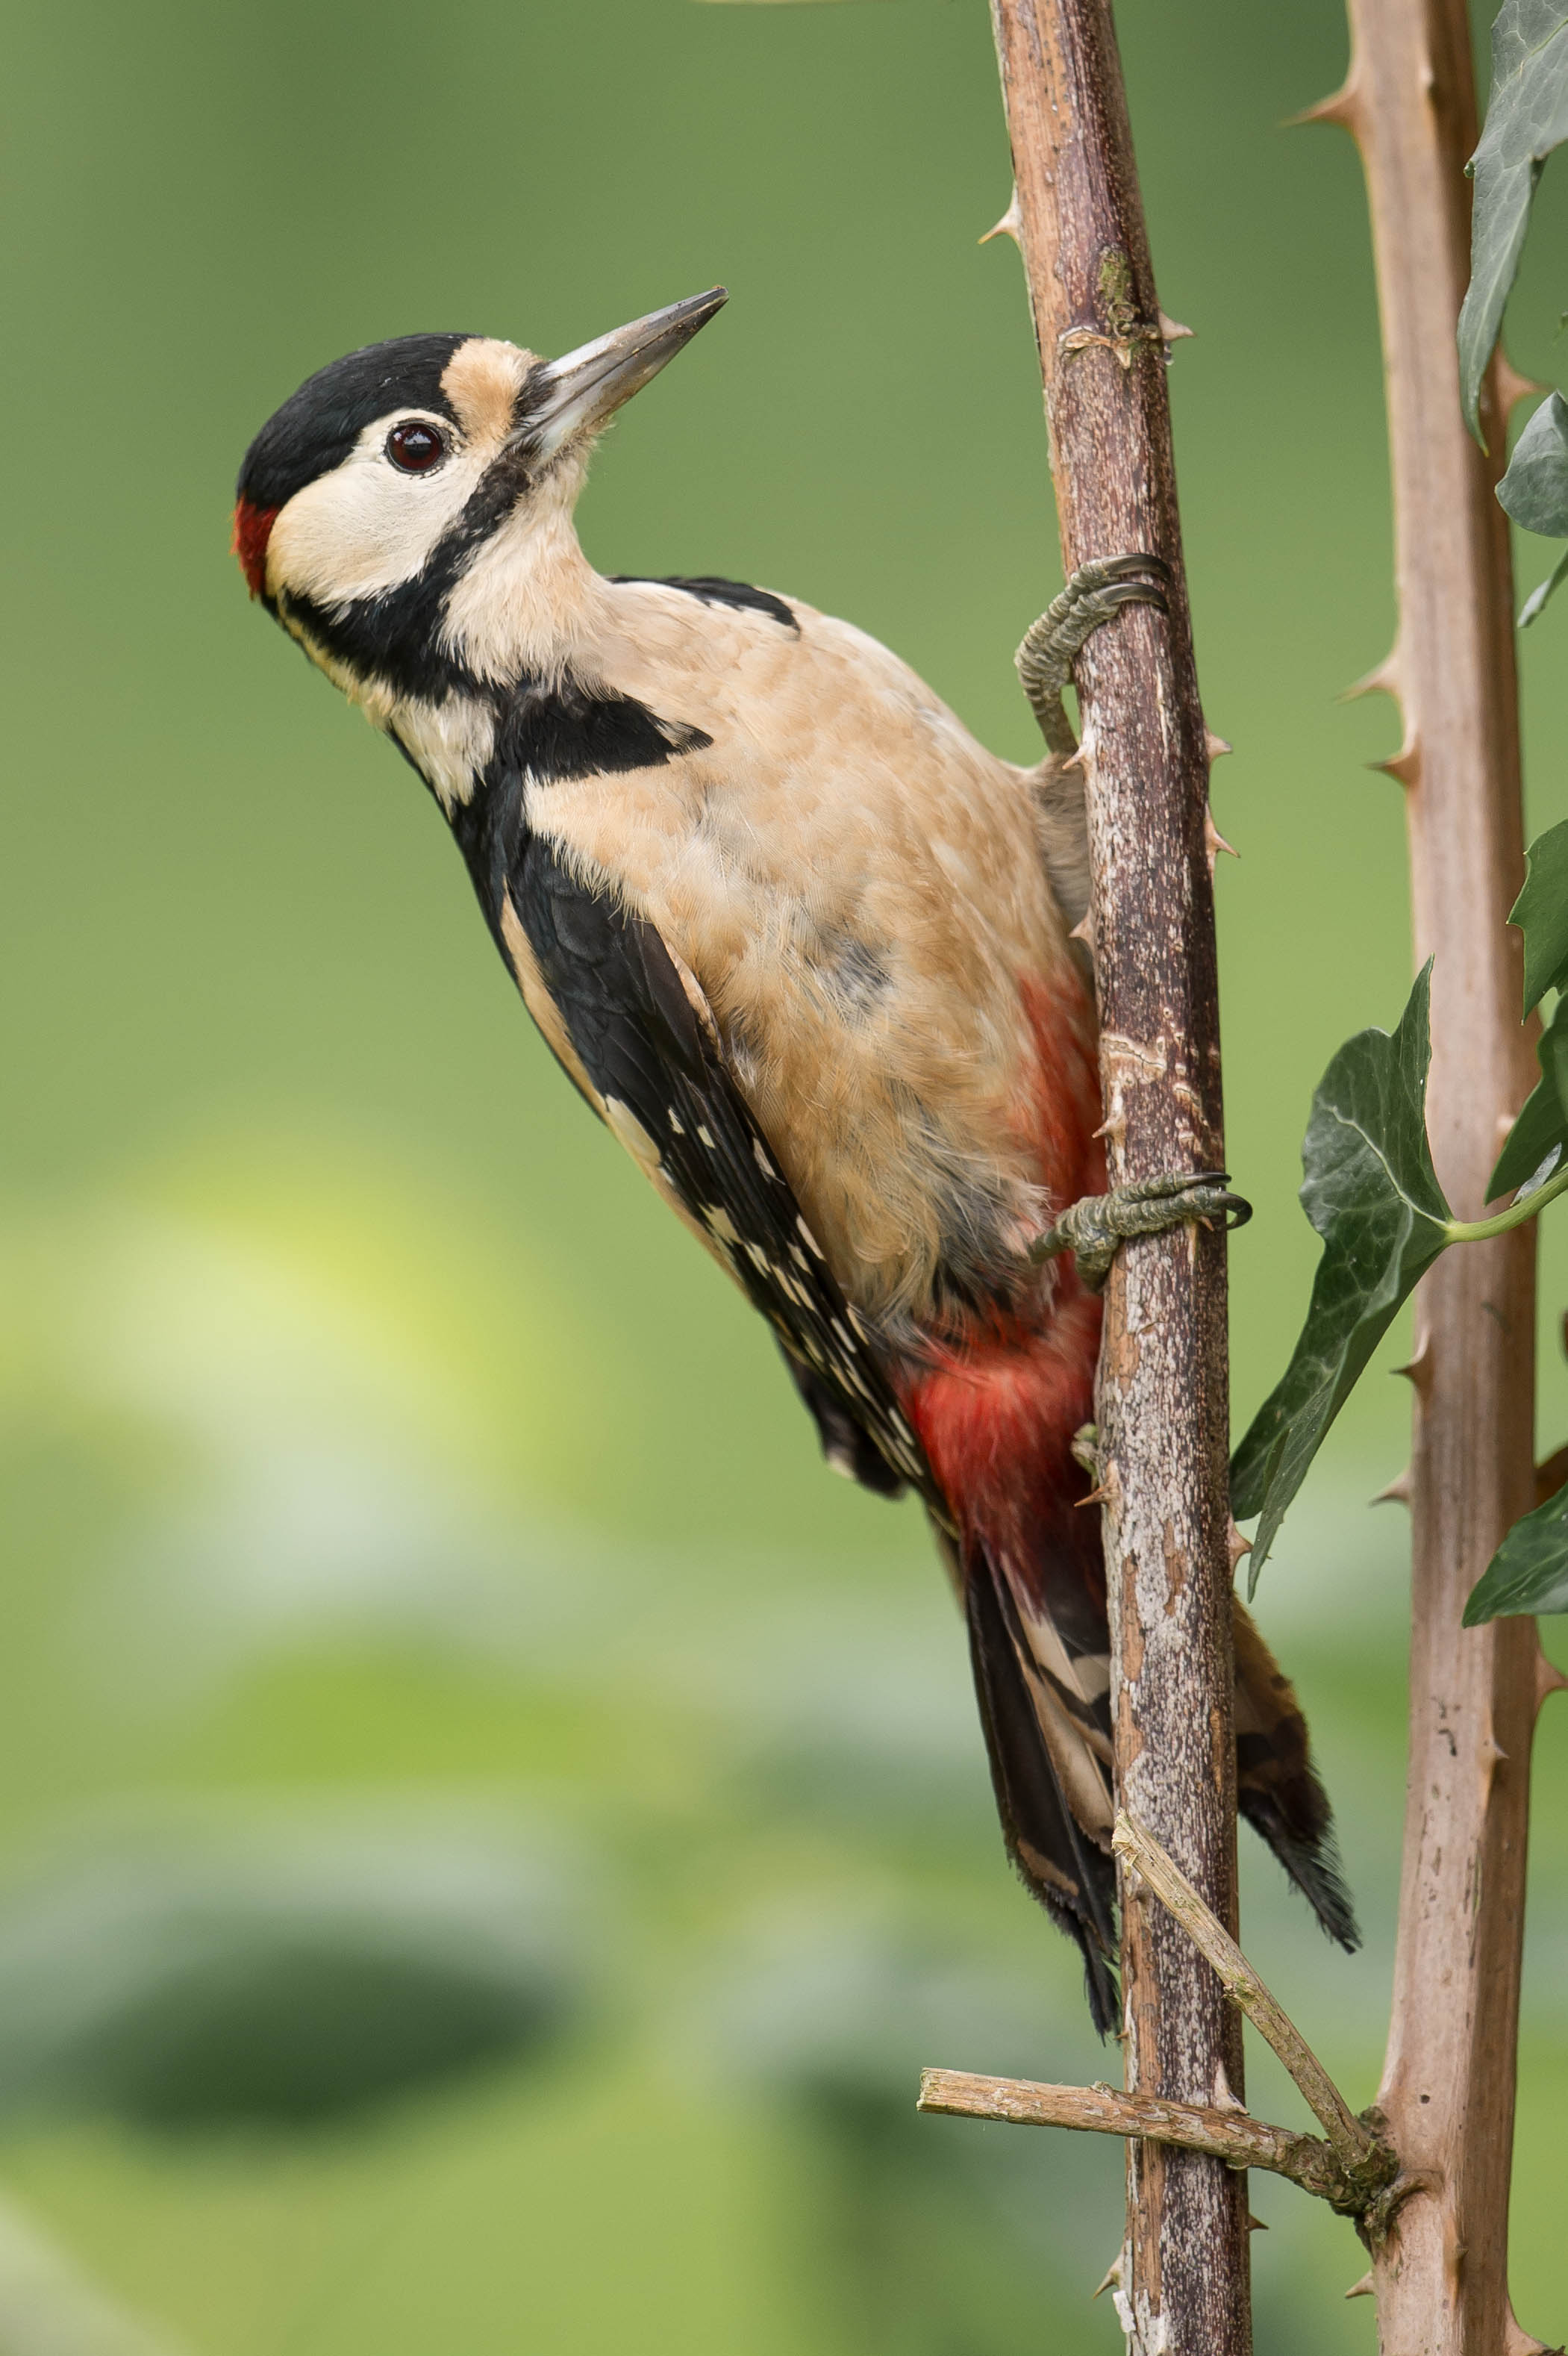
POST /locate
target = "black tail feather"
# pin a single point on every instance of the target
(1311, 1858)
(1072, 1878)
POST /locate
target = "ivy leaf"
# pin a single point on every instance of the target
(1536, 601)
(1541, 912)
(1373, 1194)
(1535, 490)
(1541, 1129)
(1527, 117)
(1529, 1572)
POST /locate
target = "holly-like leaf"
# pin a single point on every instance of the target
(1541, 912)
(1527, 117)
(1529, 1572)
(1535, 489)
(1540, 1133)
(1373, 1194)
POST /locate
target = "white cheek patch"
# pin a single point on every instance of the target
(366, 527)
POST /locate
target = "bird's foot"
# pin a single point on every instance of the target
(1097, 591)
(1093, 1228)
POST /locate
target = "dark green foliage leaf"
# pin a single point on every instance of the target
(1543, 1126)
(1529, 1572)
(1535, 489)
(1541, 912)
(282, 1984)
(1527, 117)
(1373, 1194)
(1536, 601)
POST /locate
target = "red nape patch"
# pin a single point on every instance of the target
(252, 529)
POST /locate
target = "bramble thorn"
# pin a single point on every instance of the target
(1382, 680)
(1009, 224)
(1365, 2288)
(1404, 765)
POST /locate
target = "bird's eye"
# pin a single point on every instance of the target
(415, 447)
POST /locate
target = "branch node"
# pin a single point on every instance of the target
(1367, 2163)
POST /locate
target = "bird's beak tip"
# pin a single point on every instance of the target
(583, 390)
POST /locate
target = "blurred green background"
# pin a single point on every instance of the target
(490, 1830)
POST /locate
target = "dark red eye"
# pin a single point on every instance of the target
(416, 448)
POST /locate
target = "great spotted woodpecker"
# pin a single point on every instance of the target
(803, 946)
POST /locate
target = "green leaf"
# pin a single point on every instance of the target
(1541, 912)
(1536, 601)
(1527, 117)
(1542, 1127)
(1373, 1194)
(1535, 489)
(1529, 1572)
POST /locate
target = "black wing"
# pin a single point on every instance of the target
(655, 1062)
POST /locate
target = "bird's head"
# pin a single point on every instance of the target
(401, 513)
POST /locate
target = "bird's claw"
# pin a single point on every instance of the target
(1095, 1227)
(1097, 591)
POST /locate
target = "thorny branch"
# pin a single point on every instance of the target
(1162, 1409)
(1234, 2136)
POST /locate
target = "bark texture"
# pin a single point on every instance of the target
(1232, 2136)
(1163, 1409)
(1448, 2084)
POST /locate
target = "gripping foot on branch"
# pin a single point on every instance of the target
(1097, 591)
(1093, 1228)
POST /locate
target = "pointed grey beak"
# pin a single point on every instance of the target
(581, 391)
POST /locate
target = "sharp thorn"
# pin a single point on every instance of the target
(1214, 842)
(1382, 680)
(1009, 224)
(1549, 1679)
(1342, 107)
(1101, 1496)
(1418, 1370)
(1398, 1491)
(1256, 2225)
(1365, 2288)
(1215, 746)
(1084, 931)
(1111, 2279)
(1404, 765)
(1222, 2099)
(1171, 330)
(1237, 1546)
